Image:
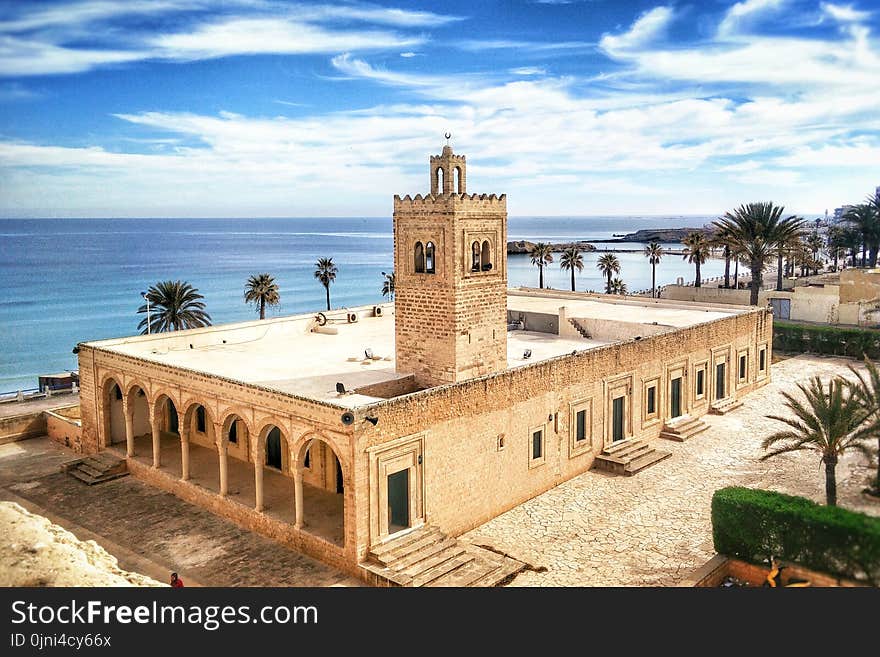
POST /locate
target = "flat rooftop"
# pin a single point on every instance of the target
(293, 355)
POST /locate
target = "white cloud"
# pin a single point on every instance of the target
(647, 27)
(409, 54)
(745, 13)
(844, 13)
(45, 41)
(528, 71)
(245, 36)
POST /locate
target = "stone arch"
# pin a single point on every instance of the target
(430, 264)
(193, 423)
(419, 258)
(438, 181)
(112, 411)
(166, 411)
(236, 432)
(138, 409)
(457, 180)
(476, 254)
(268, 449)
(326, 487)
(486, 256)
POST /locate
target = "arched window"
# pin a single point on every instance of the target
(475, 256)
(486, 256)
(439, 179)
(419, 258)
(273, 448)
(456, 180)
(117, 393)
(429, 258)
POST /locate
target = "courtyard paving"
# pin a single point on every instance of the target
(653, 529)
(151, 531)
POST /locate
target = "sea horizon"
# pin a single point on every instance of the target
(70, 280)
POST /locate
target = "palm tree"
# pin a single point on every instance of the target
(866, 389)
(262, 290)
(865, 218)
(542, 255)
(173, 305)
(760, 231)
(388, 285)
(608, 264)
(570, 260)
(617, 286)
(696, 250)
(653, 252)
(722, 239)
(815, 243)
(325, 271)
(827, 422)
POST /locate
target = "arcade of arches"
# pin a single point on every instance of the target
(301, 484)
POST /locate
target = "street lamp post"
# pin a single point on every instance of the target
(147, 299)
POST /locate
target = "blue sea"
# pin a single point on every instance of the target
(63, 281)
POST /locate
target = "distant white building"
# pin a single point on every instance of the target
(842, 210)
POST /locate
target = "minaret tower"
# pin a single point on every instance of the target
(450, 264)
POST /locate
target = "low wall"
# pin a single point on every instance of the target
(22, 427)
(63, 430)
(706, 294)
(713, 572)
(532, 321)
(248, 518)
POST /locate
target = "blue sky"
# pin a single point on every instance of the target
(265, 108)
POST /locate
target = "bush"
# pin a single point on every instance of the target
(830, 340)
(753, 525)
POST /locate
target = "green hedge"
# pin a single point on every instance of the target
(830, 340)
(752, 525)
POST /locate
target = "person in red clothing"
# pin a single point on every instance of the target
(176, 582)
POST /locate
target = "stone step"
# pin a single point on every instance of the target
(682, 421)
(441, 568)
(622, 446)
(434, 559)
(420, 554)
(423, 541)
(724, 406)
(402, 540)
(508, 568)
(627, 456)
(89, 469)
(680, 434)
(646, 460)
(467, 574)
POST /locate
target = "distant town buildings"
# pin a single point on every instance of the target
(842, 210)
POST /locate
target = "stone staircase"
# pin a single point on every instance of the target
(725, 406)
(425, 556)
(628, 457)
(580, 329)
(96, 469)
(682, 428)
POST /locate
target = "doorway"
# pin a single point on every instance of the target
(172, 418)
(675, 397)
(719, 381)
(340, 487)
(617, 419)
(273, 448)
(398, 501)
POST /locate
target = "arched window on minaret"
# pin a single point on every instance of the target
(419, 258)
(475, 256)
(438, 181)
(456, 181)
(486, 256)
(429, 258)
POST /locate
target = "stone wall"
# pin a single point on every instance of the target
(21, 427)
(476, 434)
(64, 430)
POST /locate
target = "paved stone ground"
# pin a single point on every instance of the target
(172, 534)
(653, 529)
(11, 408)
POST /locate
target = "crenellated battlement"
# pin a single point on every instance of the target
(418, 201)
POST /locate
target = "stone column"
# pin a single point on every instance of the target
(157, 437)
(298, 496)
(258, 480)
(129, 427)
(224, 482)
(184, 451)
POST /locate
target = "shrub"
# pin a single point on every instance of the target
(829, 340)
(753, 525)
